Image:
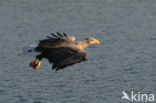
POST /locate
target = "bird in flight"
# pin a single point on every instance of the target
(61, 50)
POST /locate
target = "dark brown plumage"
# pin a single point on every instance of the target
(62, 50)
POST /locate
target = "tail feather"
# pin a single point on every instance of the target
(29, 51)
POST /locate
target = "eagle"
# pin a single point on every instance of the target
(61, 50)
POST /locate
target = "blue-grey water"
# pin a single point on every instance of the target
(124, 60)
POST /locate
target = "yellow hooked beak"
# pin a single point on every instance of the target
(97, 42)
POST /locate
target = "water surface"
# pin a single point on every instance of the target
(125, 59)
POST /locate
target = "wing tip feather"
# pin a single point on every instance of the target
(57, 35)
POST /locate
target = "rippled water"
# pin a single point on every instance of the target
(125, 60)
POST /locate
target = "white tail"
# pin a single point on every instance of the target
(29, 51)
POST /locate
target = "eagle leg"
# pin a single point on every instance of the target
(32, 63)
(37, 62)
(36, 66)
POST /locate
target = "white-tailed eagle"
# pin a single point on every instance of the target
(62, 50)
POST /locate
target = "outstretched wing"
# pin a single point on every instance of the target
(65, 56)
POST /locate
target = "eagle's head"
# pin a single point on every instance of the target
(91, 41)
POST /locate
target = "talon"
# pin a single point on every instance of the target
(36, 66)
(33, 63)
